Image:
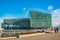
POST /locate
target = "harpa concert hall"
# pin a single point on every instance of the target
(37, 20)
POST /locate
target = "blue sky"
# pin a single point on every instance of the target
(20, 8)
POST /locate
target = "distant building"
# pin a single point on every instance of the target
(37, 20)
(23, 23)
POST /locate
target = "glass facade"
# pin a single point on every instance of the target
(40, 19)
(23, 23)
(37, 20)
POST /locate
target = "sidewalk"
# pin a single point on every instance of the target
(27, 35)
(8, 38)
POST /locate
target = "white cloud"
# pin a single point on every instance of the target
(25, 14)
(6, 16)
(56, 17)
(24, 9)
(50, 8)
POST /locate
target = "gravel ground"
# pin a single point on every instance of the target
(47, 36)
